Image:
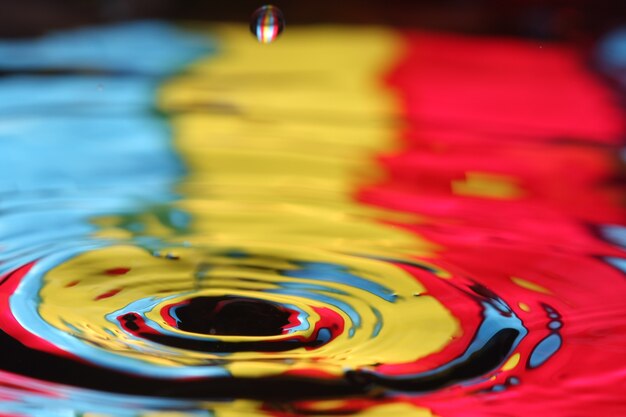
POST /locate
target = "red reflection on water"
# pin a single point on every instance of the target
(510, 149)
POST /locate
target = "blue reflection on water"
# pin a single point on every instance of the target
(77, 146)
(83, 142)
(141, 47)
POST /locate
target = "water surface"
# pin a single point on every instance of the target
(346, 222)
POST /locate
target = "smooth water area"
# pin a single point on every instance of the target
(350, 221)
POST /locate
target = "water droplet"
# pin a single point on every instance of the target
(267, 23)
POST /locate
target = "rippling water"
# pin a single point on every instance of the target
(349, 221)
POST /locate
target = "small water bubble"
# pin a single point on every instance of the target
(267, 23)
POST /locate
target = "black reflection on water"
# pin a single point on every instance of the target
(493, 342)
(231, 316)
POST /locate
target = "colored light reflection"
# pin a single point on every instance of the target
(272, 240)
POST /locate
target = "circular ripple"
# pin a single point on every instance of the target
(257, 315)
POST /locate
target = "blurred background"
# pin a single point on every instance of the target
(576, 20)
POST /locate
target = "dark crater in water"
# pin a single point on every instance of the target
(231, 316)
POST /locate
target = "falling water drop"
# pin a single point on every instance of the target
(267, 23)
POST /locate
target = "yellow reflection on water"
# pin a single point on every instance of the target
(276, 141)
(300, 124)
